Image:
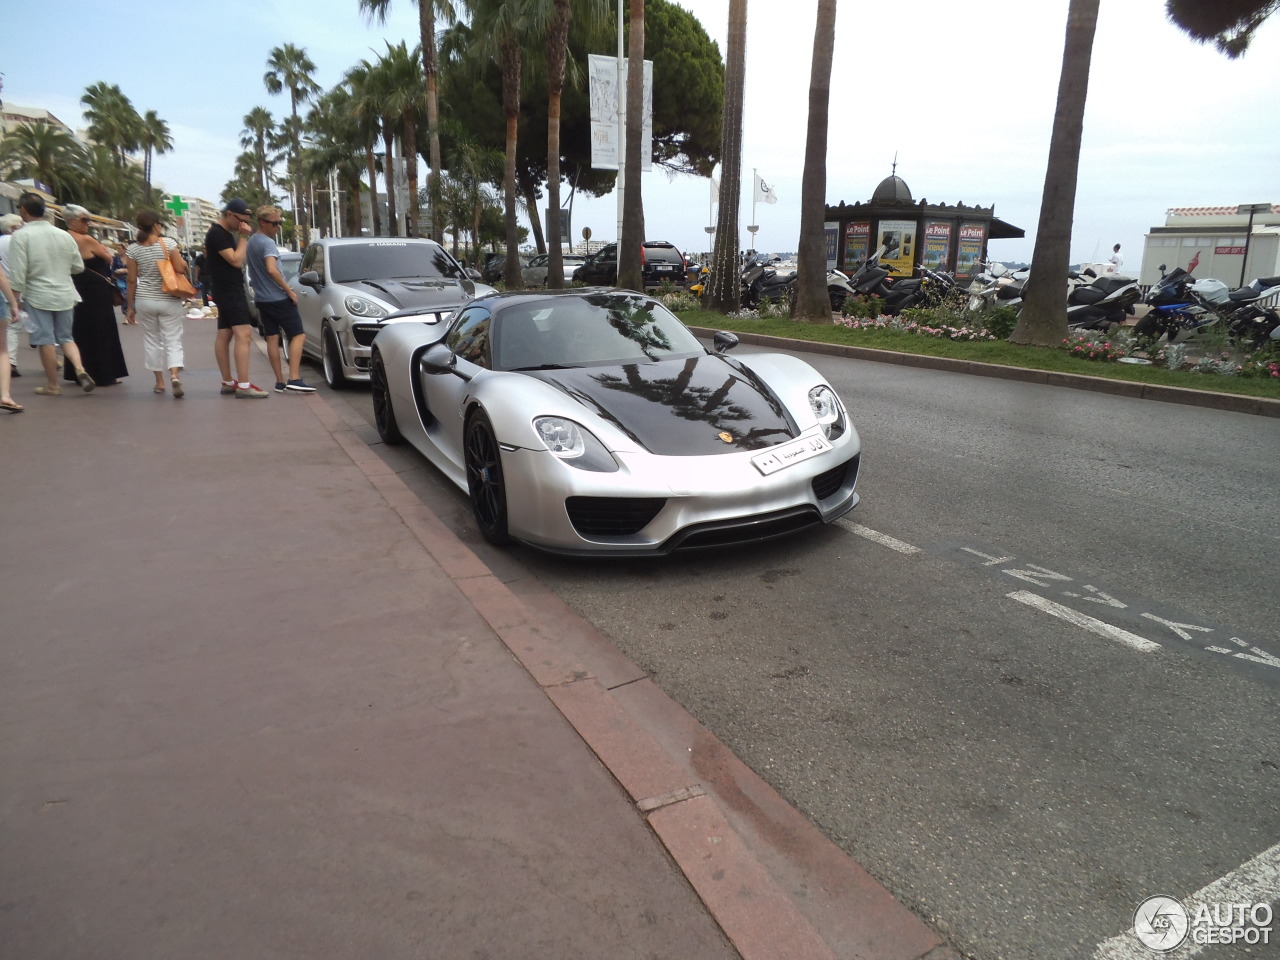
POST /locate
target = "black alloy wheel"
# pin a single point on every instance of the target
(485, 480)
(384, 414)
(331, 360)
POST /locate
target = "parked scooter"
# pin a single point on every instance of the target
(1102, 302)
(996, 285)
(761, 282)
(872, 279)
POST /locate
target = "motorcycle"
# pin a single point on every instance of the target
(761, 282)
(1179, 305)
(1248, 317)
(872, 279)
(1101, 302)
(996, 285)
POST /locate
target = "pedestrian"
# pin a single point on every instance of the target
(9, 223)
(9, 315)
(94, 327)
(1117, 259)
(277, 302)
(225, 247)
(120, 273)
(159, 314)
(43, 260)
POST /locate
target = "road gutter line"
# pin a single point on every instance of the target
(1102, 629)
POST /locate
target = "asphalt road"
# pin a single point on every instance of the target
(1032, 681)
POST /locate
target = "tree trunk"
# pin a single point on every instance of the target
(511, 110)
(630, 276)
(374, 213)
(811, 300)
(300, 213)
(411, 158)
(427, 30)
(389, 175)
(1043, 320)
(557, 44)
(724, 290)
(531, 205)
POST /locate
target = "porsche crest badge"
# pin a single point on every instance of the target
(727, 437)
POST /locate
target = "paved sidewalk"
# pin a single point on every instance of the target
(258, 701)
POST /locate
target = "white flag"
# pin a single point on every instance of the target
(715, 190)
(764, 192)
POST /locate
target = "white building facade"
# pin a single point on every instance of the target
(1214, 240)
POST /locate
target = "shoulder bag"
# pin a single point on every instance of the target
(172, 282)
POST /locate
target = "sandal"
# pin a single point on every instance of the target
(177, 389)
(11, 406)
(158, 388)
(49, 391)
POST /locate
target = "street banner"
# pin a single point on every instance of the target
(972, 236)
(857, 244)
(937, 244)
(602, 80)
(898, 237)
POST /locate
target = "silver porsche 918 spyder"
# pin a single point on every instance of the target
(593, 422)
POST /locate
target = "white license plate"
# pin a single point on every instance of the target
(785, 454)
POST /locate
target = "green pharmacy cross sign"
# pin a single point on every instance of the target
(178, 206)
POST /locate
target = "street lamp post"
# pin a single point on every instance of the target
(1250, 209)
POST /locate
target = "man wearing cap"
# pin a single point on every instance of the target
(225, 246)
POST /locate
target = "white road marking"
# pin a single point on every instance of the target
(1177, 627)
(1097, 597)
(881, 538)
(1088, 623)
(1258, 881)
(1255, 654)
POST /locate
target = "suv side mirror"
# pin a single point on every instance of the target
(724, 341)
(311, 279)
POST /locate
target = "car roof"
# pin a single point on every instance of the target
(355, 241)
(506, 299)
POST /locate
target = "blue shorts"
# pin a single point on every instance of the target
(279, 316)
(50, 326)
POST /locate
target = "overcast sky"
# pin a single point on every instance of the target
(963, 94)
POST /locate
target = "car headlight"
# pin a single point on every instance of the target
(362, 307)
(574, 444)
(828, 411)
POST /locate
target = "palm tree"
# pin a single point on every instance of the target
(499, 26)
(629, 244)
(811, 301)
(1043, 319)
(258, 126)
(375, 104)
(1230, 26)
(113, 121)
(289, 68)
(723, 291)
(338, 139)
(100, 183)
(155, 139)
(365, 110)
(406, 98)
(41, 152)
(427, 12)
(557, 48)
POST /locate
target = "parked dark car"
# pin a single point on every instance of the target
(660, 262)
(495, 266)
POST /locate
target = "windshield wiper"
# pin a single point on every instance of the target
(546, 366)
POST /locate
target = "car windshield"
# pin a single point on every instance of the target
(390, 260)
(605, 328)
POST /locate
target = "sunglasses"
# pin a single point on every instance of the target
(274, 223)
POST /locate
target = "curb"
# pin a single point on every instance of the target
(773, 883)
(1234, 403)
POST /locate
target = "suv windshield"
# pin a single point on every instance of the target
(390, 260)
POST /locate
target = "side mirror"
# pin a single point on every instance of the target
(311, 279)
(724, 341)
(438, 359)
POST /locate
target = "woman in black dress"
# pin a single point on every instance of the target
(94, 327)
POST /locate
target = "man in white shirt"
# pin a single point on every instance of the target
(42, 259)
(9, 223)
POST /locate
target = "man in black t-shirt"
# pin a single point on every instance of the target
(225, 246)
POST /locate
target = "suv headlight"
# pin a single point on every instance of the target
(574, 444)
(364, 308)
(828, 411)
